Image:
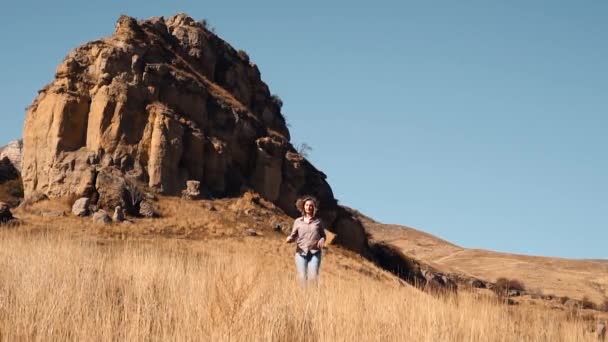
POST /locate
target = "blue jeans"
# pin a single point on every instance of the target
(308, 266)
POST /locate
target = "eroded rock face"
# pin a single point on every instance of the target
(156, 104)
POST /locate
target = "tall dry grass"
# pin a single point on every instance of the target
(54, 288)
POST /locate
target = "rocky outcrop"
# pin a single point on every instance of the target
(165, 103)
(81, 207)
(13, 151)
(101, 217)
(192, 191)
(156, 104)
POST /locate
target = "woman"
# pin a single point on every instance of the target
(309, 235)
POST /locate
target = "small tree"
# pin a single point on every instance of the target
(586, 303)
(304, 149)
(205, 24)
(277, 100)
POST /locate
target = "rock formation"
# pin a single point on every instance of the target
(13, 151)
(156, 104)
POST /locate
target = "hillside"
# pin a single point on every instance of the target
(197, 273)
(541, 275)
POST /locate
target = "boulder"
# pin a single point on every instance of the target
(119, 214)
(112, 190)
(192, 190)
(146, 209)
(5, 213)
(81, 207)
(101, 217)
(251, 232)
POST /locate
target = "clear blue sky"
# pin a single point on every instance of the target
(482, 122)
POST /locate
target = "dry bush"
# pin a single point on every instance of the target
(55, 288)
(503, 286)
(11, 192)
(586, 303)
(276, 99)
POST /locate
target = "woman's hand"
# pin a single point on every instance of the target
(288, 240)
(321, 244)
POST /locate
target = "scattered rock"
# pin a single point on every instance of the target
(119, 215)
(192, 191)
(277, 227)
(251, 232)
(81, 207)
(5, 213)
(146, 209)
(514, 293)
(102, 217)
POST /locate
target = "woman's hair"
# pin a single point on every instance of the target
(300, 203)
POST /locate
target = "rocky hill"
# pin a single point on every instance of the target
(161, 102)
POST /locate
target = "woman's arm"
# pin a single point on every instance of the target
(294, 232)
(321, 242)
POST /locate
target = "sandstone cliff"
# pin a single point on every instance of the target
(161, 102)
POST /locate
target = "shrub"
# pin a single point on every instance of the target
(586, 303)
(205, 24)
(277, 100)
(244, 56)
(304, 149)
(604, 306)
(11, 192)
(503, 286)
(564, 299)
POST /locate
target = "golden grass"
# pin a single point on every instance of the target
(57, 287)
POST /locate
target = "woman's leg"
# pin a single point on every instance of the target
(301, 266)
(314, 266)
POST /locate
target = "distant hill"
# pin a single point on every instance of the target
(541, 275)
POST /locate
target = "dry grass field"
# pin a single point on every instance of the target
(192, 277)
